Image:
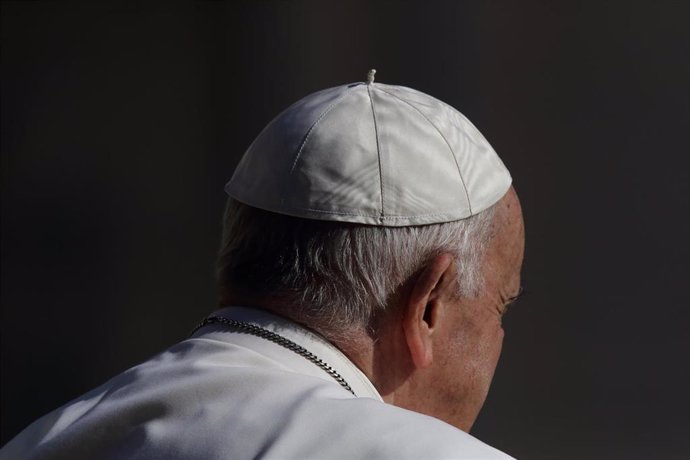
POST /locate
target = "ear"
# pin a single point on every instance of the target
(423, 307)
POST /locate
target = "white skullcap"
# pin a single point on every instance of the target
(373, 154)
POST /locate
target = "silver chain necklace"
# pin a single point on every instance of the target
(258, 331)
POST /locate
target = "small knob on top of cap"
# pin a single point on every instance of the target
(370, 76)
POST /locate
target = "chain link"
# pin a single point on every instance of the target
(253, 329)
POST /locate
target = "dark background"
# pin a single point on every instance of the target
(121, 124)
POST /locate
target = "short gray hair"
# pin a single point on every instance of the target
(336, 276)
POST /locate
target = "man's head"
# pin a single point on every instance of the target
(439, 351)
(381, 218)
(419, 308)
(336, 277)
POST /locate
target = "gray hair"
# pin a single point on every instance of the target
(336, 276)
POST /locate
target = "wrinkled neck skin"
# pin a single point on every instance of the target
(381, 353)
(375, 351)
(355, 343)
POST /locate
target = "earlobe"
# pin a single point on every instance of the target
(422, 309)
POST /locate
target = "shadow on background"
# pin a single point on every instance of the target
(121, 124)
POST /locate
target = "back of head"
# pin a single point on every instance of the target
(336, 276)
(346, 194)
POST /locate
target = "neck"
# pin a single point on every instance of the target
(355, 343)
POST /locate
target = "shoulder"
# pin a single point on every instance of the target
(204, 399)
(381, 430)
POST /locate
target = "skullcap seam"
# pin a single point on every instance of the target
(378, 150)
(462, 180)
(311, 129)
(343, 213)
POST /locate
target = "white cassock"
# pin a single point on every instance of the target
(224, 394)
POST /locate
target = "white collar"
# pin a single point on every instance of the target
(311, 341)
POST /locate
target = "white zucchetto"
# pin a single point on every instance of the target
(371, 153)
